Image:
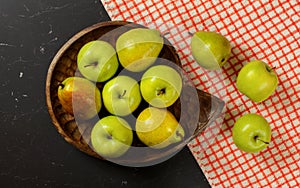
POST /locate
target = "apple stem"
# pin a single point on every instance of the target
(191, 34)
(109, 137)
(261, 140)
(162, 91)
(269, 69)
(123, 94)
(92, 64)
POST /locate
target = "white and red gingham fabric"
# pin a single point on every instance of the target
(265, 30)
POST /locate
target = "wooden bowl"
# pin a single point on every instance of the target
(200, 108)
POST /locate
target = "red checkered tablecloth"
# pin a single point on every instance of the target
(265, 30)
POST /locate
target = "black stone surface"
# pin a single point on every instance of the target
(32, 153)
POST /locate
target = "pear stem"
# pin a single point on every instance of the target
(61, 85)
(191, 34)
(269, 69)
(178, 133)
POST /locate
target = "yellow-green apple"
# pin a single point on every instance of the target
(251, 133)
(80, 97)
(211, 50)
(111, 137)
(161, 85)
(158, 128)
(138, 48)
(97, 61)
(257, 80)
(121, 95)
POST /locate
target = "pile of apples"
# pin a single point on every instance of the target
(159, 86)
(257, 80)
(122, 93)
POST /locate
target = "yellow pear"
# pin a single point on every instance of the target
(158, 128)
(80, 97)
(138, 48)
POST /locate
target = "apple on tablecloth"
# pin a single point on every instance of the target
(257, 80)
(251, 133)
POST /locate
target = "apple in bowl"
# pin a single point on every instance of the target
(121, 95)
(111, 136)
(97, 61)
(161, 86)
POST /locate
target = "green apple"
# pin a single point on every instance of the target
(80, 97)
(138, 48)
(211, 50)
(97, 61)
(121, 95)
(161, 86)
(251, 133)
(111, 137)
(257, 80)
(158, 128)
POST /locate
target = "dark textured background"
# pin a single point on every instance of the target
(32, 153)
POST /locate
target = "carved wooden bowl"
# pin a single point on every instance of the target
(200, 108)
